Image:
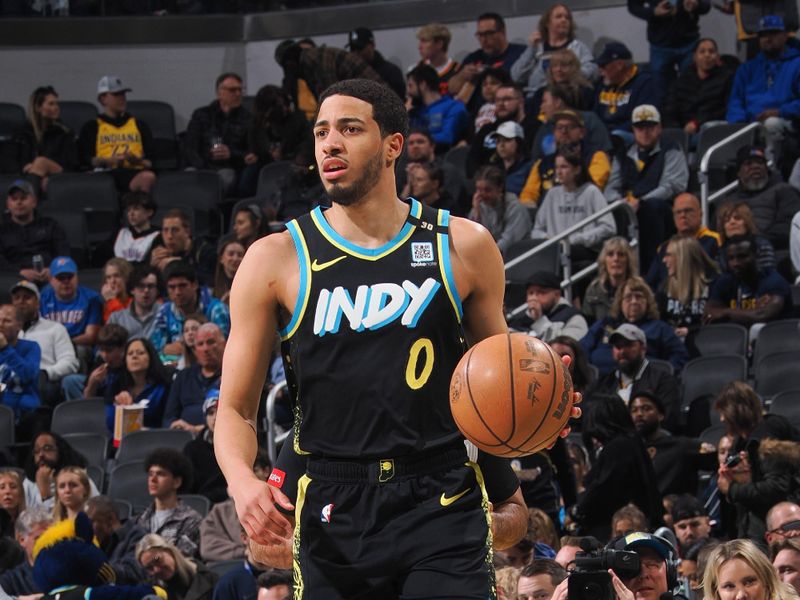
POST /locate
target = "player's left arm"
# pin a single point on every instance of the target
(509, 521)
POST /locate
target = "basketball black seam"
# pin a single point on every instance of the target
(549, 406)
(475, 407)
(511, 385)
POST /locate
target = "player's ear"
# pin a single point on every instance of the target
(393, 145)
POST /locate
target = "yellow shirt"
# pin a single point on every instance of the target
(115, 141)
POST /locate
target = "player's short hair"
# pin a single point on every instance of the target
(436, 32)
(228, 75)
(274, 577)
(387, 109)
(140, 273)
(173, 461)
(178, 213)
(142, 199)
(425, 74)
(180, 269)
(545, 566)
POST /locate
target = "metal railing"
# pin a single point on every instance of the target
(563, 239)
(274, 436)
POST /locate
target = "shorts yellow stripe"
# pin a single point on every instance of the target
(489, 537)
(302, 486)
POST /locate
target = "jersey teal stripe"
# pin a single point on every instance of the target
(447, 268)
(305, 280)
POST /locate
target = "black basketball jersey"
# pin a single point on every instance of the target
(373, 340)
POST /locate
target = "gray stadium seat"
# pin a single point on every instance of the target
(98, 475)
(787, 404)
(662, 365)
(458, 158)
(80, 416)
(81, 191)
(196, 501)
(269, 179)
(93, 446)
(160, 118)
(777, 336)
(225, 566)
(12, 117)
(74, 224)
(713, 434)
(200, 190)
(124, 509)
(777, 372)
(249, 103)
(677, 135)
(6, 426)
(721, 339)
(76, 113)
(138, 444)
(129, 482)
(706, 376)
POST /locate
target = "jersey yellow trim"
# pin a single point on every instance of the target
(302, 486)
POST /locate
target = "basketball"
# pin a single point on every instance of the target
(510, 395)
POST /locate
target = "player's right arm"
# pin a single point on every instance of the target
(267, 276)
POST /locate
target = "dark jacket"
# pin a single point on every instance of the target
(58, 143)
(390, 73)
(209, 122)
(677, 461)
(19, 243)
(208, 479)
(19, 580)
(614, 104)
(186, 396)
(678, 30)
(773, 209)
(201, 587)
(291, 133)
(700, 100)
(323, 66)
(121, 551)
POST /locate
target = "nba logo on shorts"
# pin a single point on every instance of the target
(325, 516)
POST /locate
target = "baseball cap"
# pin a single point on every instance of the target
(63, 264)
(111, 84)
(645, 113)
(630, 332)
(568, 114)
(641, 539)
(359, 38)
(746, 153)
(545, 279)
(212, 399)
(769, 23)
(613, 51)
(23, 284)
(508, 129)
(21, 184)
(687, 506)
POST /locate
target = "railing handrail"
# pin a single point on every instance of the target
(272, 442)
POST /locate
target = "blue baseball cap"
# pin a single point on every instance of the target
(769, 23)
(212, 399)
(63, 264)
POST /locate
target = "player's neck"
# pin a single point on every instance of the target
(373, 221)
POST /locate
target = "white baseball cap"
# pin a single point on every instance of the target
(111, 84)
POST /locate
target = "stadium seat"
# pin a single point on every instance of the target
(199, 190)
(725, 157)
(98, 475)
(138, 444)
(124, 509)
(269, 179)
(200, 503)
(81, 191)
(661, 365)
(787, 404)
(6, 426)
(721, 339)
(677, 135)
(160, 118)
(225, 566)
(706, 375)
(80, 416)
(458, 158)
(713, 434)
(75, 113)
(93, 446)
(517, 277)
(74, 224)
(777, 336)
(12, 117)
(249, 103)
(777, 372)
(129, 482)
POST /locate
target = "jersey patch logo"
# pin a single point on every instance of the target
(421, 253)
(325, 515)
(445, 501)
(276, 478)
(318, 266)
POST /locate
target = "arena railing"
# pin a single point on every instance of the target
(562, 238)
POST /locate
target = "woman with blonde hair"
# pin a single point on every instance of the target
(73, 489)
(616, 264)
(12, 500)
(116, 273)
(181, 577)
(739, 569)
(736, 218)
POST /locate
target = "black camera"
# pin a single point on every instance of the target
(590, 579)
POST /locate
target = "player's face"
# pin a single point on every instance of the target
(739, 581)
(419, 148)
(349, 149)
(688, 531)
(787, 564)
(64, 285)
(644, 414)
(652, 579)
(137, 360)
(538, 587)
(161, 483)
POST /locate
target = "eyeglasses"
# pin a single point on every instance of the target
(45, 448)
(684, 211)
(789, 526)
(487, 33)
(232, 90)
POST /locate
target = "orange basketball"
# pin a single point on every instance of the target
(511, 395)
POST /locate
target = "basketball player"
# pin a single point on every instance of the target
(369, 297)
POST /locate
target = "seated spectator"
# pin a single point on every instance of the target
(133, 241)
(426, 184)
(104, 379)
(229, 257)
(765, 87)
(635, 304)
(30, 525)
(176, 242)
(190, 327)
(72, 492)
(118, 540)
(700, 93)
(12, 501)
(29, 241)
(571, 202)
(772, 202)
(539, 578)
(275, 584)
(118, 142)
(570, 546)
(434, 43)
(216, 136)
(616, 264)
(627, 520)
(782, 520)
(185, 403)
(623, 88)
(740, 565)
(744, 293)
(736, 218)
(248, 224)
(169, 472)
(182, 577)
(498, 210)
(682, 297)
(786, 561)
(492, 79)
(185, 297)
(361, 42)
(115, 286)
(45, 145)
(582, 376)
(241, 581)
(549, 315)
(555, 33)
(648, 175)
(58, 358)
(139, 318)
(689, 521)
(208, 480)
(740, 410)
(19, 366)
(634, 374)
(443, 116)
(654, 552)
(142, 377)
(513, 154)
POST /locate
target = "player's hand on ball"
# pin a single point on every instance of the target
(577, 397)
(255, 506)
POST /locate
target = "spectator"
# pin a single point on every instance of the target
(538, 579)
(115, 286)
(570, 546)
(12, 503)
(765, 88)
(690, 521)
(229, 257)
(46, 145)
(58, 358)
(190, 327)
(434, 43)
(185, 404)
(169, 472)
(182, 577)
(176, 242)
(555, 32)
(513, 154)
(495, 51)
(248, 224)
(492, 79)
(571, 202)
(699, 96)
(786, 561)
(78, 308)
(498, 210)
(634, 375)
(141, 378)
(783, 521)
(426, 184)
(216, 136)
(105, 377)
(736, 218)
(240, 581)
(564, 73)
(116, 141)
(275, 585)
(443, 116)
(744, 418)
(134, 241)
(623, 88)
(582, 376)
(549, 315)
(31, 524)
(627, 520)
(72, 492)
(672, 31)
(652, 580)
(208, 480)
(118, 540)
(744, 293)
(139, 318)
(634, 303)
(361, 42)
(739, 568)
(298, 191)
(29, 241)
(616, 264)
(185, 297)
(648, 175)
(19, 366)
(772, 202)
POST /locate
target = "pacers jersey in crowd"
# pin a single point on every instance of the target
(374, 338)
(116, 141)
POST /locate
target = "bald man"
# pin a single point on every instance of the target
(783, 521)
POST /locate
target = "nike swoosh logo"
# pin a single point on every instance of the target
(318, 266)
(445, 501)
